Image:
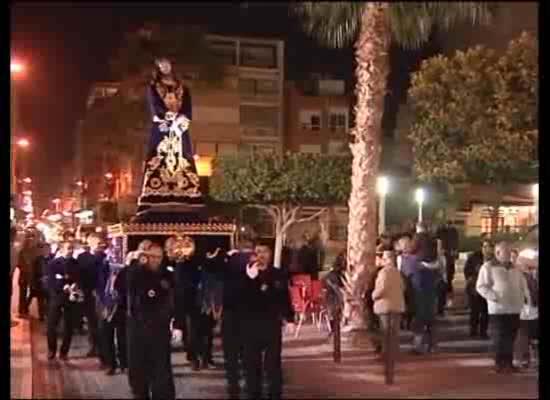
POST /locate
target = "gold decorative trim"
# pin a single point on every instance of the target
(172, 228)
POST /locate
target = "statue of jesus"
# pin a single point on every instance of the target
(170, 175)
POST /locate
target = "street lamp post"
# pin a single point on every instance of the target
(16, 71)
(536, 199)
(22, 143)
(382, 186)
(420, 197)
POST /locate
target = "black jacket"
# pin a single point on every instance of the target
(62, 271)
(150, 296)
(471, 271)
(425, 247)
(266, 298)
(89, 265)
(232, 277)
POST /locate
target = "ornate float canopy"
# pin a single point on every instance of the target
(178, 228)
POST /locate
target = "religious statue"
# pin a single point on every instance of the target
(170, 175)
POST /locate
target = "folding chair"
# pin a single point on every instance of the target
(299, 306)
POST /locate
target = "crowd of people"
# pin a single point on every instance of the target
(162, 297)
(169, 295)
(412, 285)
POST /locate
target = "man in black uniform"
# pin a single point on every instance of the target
(114, 319)
(64, 296)
(151, 304)
(89, 272)
(187, 315)
(479, 317)
(232, 303)
(265, 294)
(37, 279)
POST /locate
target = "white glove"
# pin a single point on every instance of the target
(232, 252)
(252, 270)
(177, 336)
(170, 116)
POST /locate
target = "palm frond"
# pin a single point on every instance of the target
(336, 24)
(333, 24)
(412, 23)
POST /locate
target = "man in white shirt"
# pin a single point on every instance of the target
(505, 289)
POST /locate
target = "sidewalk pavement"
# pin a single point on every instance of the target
(461, 369)
(20, 354)
(309, 372)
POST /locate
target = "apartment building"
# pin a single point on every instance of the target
(247, 114)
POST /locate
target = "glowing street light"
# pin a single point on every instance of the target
(382, 187)
(79, 183)
(23, 142)
(420, 197)
(17, 67)
(109, 175)
(27, 180)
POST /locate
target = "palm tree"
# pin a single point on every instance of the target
(371, 26)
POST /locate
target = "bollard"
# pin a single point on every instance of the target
(389, 348)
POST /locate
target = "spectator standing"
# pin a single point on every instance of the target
(389, 304)
(26, 259)
(504, 287)
(36, 280)
(408, 265)
(14, 256)
(309, 258)
(527, 342)
(479, 317)
(333, 283)
(448, 234)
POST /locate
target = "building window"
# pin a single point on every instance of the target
(311, 120)
(310, 148)
(338, 229)
(225, 51)
(253, 87)
(260, 117)
(338, 120)
(258, 56)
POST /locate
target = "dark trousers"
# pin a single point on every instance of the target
(57, 309)
(193, 342)
(443, 290)
(504, 329)
(37, 293)
(116, 328)
(88, 309)
(232, 349)
(479, 317)
(205, 337)
(424, 335)
(450, 260)
(150, 362)
(24, 287)
(262, 352)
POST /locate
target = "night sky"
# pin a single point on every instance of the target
(67, 47)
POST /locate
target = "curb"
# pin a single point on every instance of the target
(21, 360)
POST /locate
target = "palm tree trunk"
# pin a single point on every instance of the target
(372, 58)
